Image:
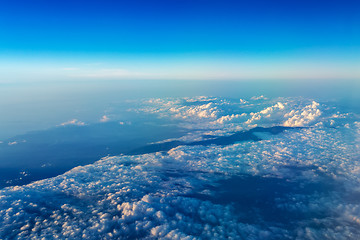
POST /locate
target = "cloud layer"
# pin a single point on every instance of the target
(300, 184)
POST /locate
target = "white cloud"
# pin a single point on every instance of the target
(225, 115)
(258, 97)
(104, 119)
(124, 196)
(302, 117)
(229, 118)
(269, 113)
(72, 122)
(177, 195)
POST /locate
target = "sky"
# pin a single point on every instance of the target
(179, 39)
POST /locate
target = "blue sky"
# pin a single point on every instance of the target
(196, 39)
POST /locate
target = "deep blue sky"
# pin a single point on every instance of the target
(246, 29)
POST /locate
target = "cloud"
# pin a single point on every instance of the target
(72, 122)
(258, 97)
(148, 195)
(229, 118)
(307, 180)
(268, 113)
(302, 117)
(202, 111)
(220, 116)
(104, 119)
(15, 142)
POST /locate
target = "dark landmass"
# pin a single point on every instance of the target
(222, 141)
(52, 152)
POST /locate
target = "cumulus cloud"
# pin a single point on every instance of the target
(153, 195)
(296, 185)
(104, 119)
(72, 122)
(268, 112)
(258, 97)
(302, 117)
(221, 115)
(229, 118)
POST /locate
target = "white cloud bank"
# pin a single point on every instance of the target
(220, 116)
(179, 195)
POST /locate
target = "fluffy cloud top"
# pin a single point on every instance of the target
(302, 117)
(300, 184)
(221, 116)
